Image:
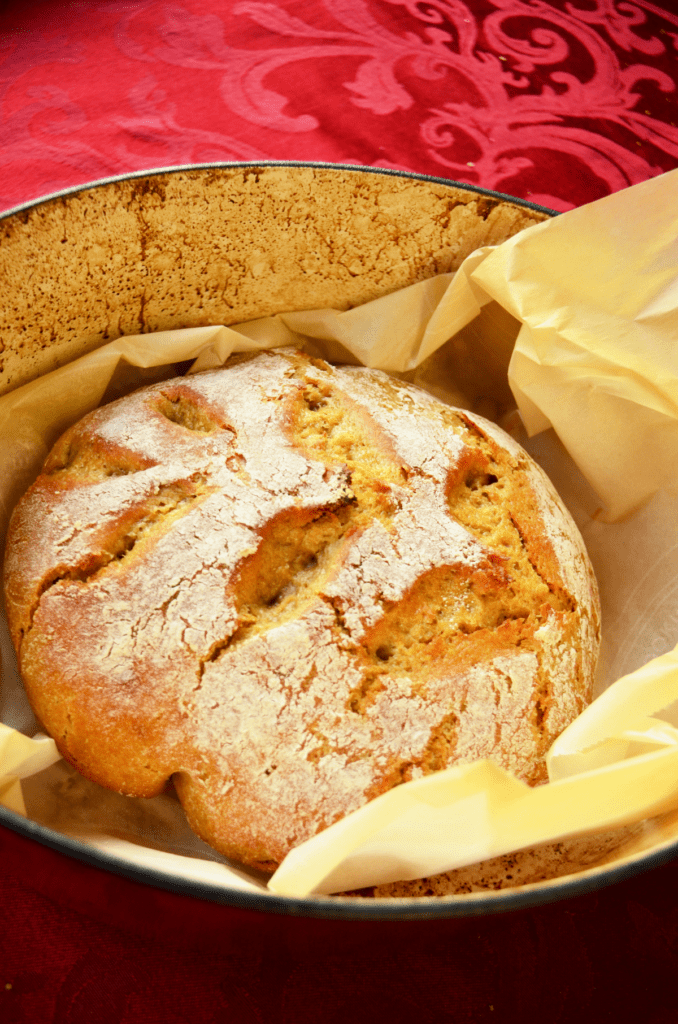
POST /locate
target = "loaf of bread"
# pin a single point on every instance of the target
(289, 587)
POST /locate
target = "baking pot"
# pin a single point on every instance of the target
(222, 244)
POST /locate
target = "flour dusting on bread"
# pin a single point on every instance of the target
(291, 587)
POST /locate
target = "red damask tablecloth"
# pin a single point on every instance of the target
(560, 103)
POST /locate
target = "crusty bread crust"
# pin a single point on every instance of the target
(292, 587)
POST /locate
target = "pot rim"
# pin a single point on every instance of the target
(349, 908)
(228, 165)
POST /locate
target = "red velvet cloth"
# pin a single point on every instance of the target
(556, 102)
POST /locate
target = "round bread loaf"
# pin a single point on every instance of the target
(291, 587)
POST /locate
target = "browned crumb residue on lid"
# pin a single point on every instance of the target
(223, 246)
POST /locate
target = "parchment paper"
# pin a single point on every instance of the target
(592, 297)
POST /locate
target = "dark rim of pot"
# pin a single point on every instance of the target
(341, 908)
(253, 164)
(347, 908)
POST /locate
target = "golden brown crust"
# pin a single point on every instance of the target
(292, 587)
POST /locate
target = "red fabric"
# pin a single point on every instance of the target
(556, 102)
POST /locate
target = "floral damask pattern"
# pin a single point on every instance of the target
(553, 101)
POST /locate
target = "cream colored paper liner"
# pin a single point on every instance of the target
(20, 757)
(596, 291)
(402, 333)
